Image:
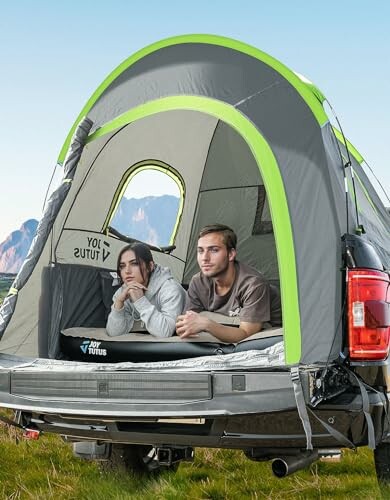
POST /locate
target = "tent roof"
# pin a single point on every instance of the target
(311, 95)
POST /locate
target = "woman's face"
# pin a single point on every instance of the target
(130, 270)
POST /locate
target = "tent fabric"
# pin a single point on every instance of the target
(46, 223)
(150, 112)
(312, 96)
(88, 304)
(190, 69)
(371, 212)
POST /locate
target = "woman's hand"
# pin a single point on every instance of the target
(135, 290)
(132, 291)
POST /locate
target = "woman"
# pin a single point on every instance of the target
(149, 293)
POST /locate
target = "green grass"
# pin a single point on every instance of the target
(5, 283)
(46, 469)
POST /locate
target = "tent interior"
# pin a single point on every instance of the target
(218, 180)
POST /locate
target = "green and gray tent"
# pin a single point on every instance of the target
(250, 145)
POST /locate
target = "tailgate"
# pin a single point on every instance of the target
(96, 390)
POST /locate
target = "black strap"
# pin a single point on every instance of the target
(8, 421)
(333, 432)
(168, 249)
(366, 411)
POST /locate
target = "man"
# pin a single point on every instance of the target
(227, 287)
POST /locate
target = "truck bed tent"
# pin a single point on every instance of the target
(250, 145)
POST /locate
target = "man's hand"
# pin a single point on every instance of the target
(190, 324)
(132, 291)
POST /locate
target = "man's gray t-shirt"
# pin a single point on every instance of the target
(251, 297)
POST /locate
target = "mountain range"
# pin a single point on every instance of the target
(150, 219)
(14, 248)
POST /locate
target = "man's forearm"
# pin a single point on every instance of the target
(226, 333)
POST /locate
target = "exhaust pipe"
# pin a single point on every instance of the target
(284, 466)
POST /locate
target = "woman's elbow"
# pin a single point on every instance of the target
(166, 329)
(115, 330)
(110, 332)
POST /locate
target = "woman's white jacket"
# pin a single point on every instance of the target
(157, 310)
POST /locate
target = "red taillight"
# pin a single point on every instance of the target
(368, 314)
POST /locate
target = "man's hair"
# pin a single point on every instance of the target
(228, 235)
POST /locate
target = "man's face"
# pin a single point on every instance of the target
(213, 256)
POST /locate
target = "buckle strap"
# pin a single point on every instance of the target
(301, 405)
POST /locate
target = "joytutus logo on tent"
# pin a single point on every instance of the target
(249, 144)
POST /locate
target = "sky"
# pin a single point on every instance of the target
(55, 54)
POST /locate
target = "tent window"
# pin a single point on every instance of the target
(148, 205)
(263, 223)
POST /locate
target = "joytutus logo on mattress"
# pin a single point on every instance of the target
(92, 347)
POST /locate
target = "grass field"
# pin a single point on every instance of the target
(46, 469)
(5, 283)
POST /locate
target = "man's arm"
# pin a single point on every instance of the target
(191, 323)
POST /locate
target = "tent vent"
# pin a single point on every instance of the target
(262, 224)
